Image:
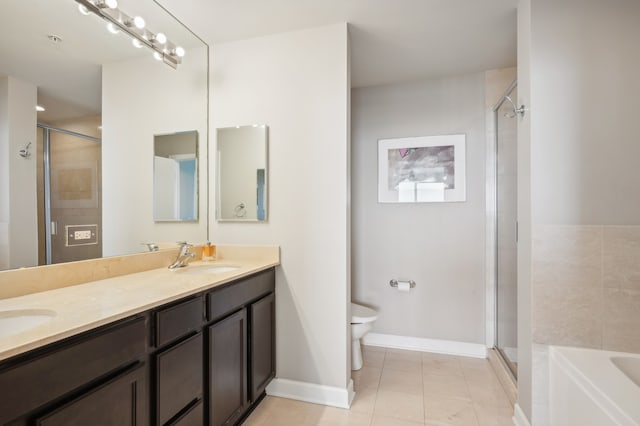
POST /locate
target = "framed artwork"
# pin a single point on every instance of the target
(424, 169)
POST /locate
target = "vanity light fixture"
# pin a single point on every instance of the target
(106, 4)
(39, 108)
(117, 20)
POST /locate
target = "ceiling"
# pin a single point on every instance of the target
(68, 74)
(391, 40)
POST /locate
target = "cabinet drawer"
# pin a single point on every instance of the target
(180, 376)
(41, 378)
(121, 401)
(231, 298)
(193, 417)
(178, 320)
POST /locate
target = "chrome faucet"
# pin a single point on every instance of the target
(183, 256)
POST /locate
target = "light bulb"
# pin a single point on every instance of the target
(179, 51)
(160, 38)
(136, 43)
(39, 108)
(83, 9)
(157, 56)
(112, 28)
(139, 22)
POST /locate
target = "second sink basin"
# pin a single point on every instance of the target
(19, 320)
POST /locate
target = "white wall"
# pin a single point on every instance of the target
(438, 245)
(142, 98)
(297, 83)
(18, 200)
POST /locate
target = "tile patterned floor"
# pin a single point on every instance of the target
(404, 388)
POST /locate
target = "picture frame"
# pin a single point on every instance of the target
(422, 169)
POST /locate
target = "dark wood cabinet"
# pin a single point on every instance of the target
(187, 363)
(116, 402)
(31, 382)
(228, 369)
(241, 346)
(262, 348)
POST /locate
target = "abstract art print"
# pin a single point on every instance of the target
(422, 169)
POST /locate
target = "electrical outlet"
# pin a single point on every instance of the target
(82, 235)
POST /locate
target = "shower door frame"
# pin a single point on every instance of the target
(46, 160)
(492, 229)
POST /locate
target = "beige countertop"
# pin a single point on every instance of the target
(82, 307)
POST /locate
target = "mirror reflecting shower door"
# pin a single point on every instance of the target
(72, 196)
(506, 231)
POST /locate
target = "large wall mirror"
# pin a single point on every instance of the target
(77, 176)
(242, 173)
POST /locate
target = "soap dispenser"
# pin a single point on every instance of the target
(208, 251)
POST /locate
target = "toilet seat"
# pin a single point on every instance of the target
(361, 314)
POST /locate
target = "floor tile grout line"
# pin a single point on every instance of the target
(375, 402)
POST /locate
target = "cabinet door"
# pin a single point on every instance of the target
(262, 344)
(121, 401)
(228, 369)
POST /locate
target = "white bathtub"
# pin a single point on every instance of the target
(593, 388)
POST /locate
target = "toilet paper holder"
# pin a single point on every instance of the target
(394, 283)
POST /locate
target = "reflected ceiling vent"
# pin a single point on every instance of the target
(117, 20)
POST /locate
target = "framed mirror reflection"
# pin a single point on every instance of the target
(242, 178)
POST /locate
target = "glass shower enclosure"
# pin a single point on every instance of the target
(69, 176)
(506, 229)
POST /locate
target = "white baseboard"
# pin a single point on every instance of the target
(449, 347)
(311, 392)
(519, 419)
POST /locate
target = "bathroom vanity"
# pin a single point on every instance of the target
(204, 357)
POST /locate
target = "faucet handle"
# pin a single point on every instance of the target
(151, 246)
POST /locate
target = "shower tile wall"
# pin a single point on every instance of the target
(586, 286)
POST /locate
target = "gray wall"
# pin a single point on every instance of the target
(439, 245)
(585, 64)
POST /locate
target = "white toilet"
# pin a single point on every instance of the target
(362, 319)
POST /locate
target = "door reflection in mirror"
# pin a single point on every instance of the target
(242, 173)
(175, 177)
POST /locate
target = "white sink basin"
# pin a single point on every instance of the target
(207, 269)
(17, 321)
